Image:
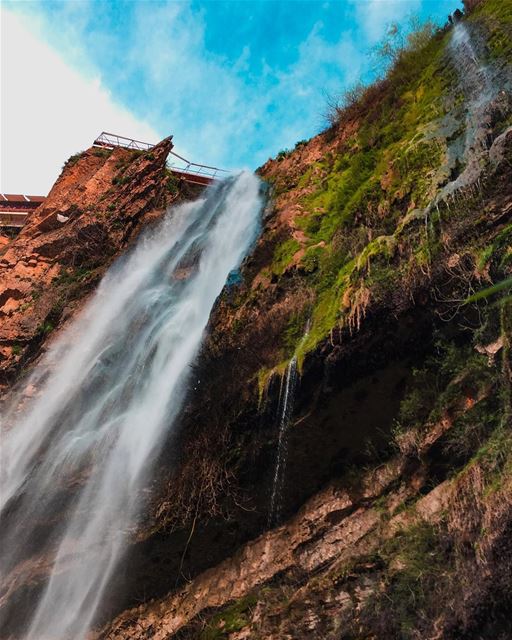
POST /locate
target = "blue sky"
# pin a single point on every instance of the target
(234, 81)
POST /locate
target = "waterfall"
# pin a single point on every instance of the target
(79, 441)
(482, 87)
(285, 413)
(474, 76)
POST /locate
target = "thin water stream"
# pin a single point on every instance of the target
(285, 413)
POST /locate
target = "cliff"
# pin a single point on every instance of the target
(100, 202)
(394, 503)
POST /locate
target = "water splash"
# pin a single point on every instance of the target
(285, 412)
(76, 458)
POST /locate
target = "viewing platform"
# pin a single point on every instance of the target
(183, 169)
(14, 209)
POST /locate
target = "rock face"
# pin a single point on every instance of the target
(98, 204)
(397, 486)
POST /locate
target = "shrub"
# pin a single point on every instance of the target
(284, 153)
(172, 184)
(399, 50)
(73, 159)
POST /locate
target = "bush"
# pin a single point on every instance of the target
(172, 184)
(284, 153)
(399, 48)
(73, 159)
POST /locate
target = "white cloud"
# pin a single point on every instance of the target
(219, 112)
(375, 15)
(222, 112)
(49, 110)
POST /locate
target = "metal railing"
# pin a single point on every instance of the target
(195, 169)
(112, 140)
(190, 171)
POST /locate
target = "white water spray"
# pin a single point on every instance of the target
(74, 460)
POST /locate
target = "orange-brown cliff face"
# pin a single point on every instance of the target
(99, 203)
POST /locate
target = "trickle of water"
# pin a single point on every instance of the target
(285, 412)
(481, 86)
(474, 76)
(76, 458)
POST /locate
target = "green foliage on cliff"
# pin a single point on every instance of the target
(284, 254)
(72, 160)
(417, 563)
(369, 216)
(229, 620)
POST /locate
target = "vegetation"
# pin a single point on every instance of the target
(120, 180)
(229, 620)
(418, 563)
(368, 216)
(102, 153)
(72, 160)
(71, 276)
(172, 184)
(284, 153)
(284, 254)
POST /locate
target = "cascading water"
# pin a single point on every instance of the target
(475, 76)
(76, 456)
(484, 91)
(285, 413)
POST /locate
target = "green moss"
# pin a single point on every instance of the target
(71, 276)
(324, 317)
(229, 620)
(496, 16)
(17, 349)
(311, 260)
(391, 149)
(369, 196)
(265, 375)
(294, 332)
(283, 255)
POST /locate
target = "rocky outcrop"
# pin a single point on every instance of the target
(326, 556)
(97, 206)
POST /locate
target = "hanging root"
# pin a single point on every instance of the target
(359, 303)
